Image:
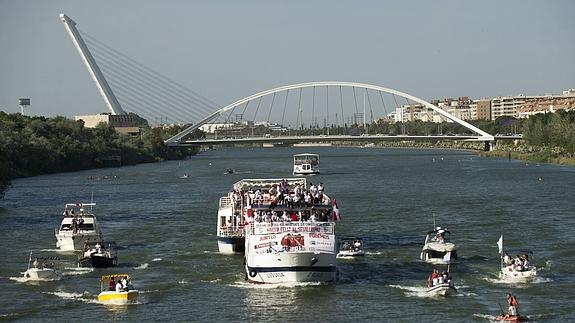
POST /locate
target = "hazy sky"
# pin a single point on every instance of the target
(227, 50)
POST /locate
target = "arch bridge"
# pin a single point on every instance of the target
(322, 106)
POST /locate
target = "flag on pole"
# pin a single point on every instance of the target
(336, 214)
(500, 244)
(447, 258)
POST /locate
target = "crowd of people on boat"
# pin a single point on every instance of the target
(519, 263)
(98, 248)
(280, 195)
(122, 284)
(437, 278)
(41, 263)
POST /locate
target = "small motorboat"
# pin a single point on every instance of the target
(518, 269)
(98, 256)
(185, 176)
(350, 248)
(230, 171)
(117, 289)
(78, 225)
(306, 164)
(444, 289)
(42, 268)
(437, 248)
(440, 284)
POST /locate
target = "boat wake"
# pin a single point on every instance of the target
(157, 259)
(413, 291)
(245, 284)
(142, 266)
(22, 279)
(372, 253)
(82, 297)
(518, 282)
(74, 271)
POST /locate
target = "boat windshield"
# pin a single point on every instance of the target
(301, 159)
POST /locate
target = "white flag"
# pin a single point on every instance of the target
(500, 244)
(447, 257)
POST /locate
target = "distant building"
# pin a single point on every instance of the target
(483, 109)
(547, 105)
(123, 123)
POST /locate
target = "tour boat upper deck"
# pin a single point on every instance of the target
(77, 226)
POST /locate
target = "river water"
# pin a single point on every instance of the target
(165, 226)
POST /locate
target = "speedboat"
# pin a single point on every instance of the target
(305, 164)
(78, 225)
(440, 284)
(437, 248)
(520, 268)
(98, 256)
(350, 248)
(42, 268)
(111, 293)
(289, 238)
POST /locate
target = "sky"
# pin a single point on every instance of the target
(227, 50)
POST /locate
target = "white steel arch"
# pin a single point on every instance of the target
(484, 136)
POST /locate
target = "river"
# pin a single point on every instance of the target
(165, 226)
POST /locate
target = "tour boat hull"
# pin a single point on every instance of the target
(41, 274)
(97, 261)
(231, 245)
(288, 267)
(119, 298)
(442, 290)
(74, 242)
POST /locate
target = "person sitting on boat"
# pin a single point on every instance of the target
(118, 286)
(357, 245)
(440, 237)
(518, 263)
(124, 281)
(507, 260)
(98, 247)
(513, 305)
(112, 284)
(36, 263)
(526, 262)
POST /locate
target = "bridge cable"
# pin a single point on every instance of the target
(341, 104)
(140, 93)
(151, 71)
(370, 110)
(285, 106)
(152, 76)
(271, 107)
(146, 92)
(299, 109)
(245, 107)
(313, 110)
(383, 103)
(327, 101)
(355, 101)
(115, 72)
(257, 109)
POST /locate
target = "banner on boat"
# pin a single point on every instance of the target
(290, 241)
(295, 227)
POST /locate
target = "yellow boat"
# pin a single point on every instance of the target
(112, 291)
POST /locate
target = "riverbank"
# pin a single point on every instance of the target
(537, 157)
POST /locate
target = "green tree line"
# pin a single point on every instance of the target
(32, 146)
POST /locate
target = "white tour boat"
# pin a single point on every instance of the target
(519, 268)
(42, 268)
(290, 232)
(231, 216)
(350, 248)
(78, 225)
(305, 164)
(437, 248)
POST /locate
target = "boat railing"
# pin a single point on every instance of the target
(231, 231)
(225, 202)
(281, 227)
